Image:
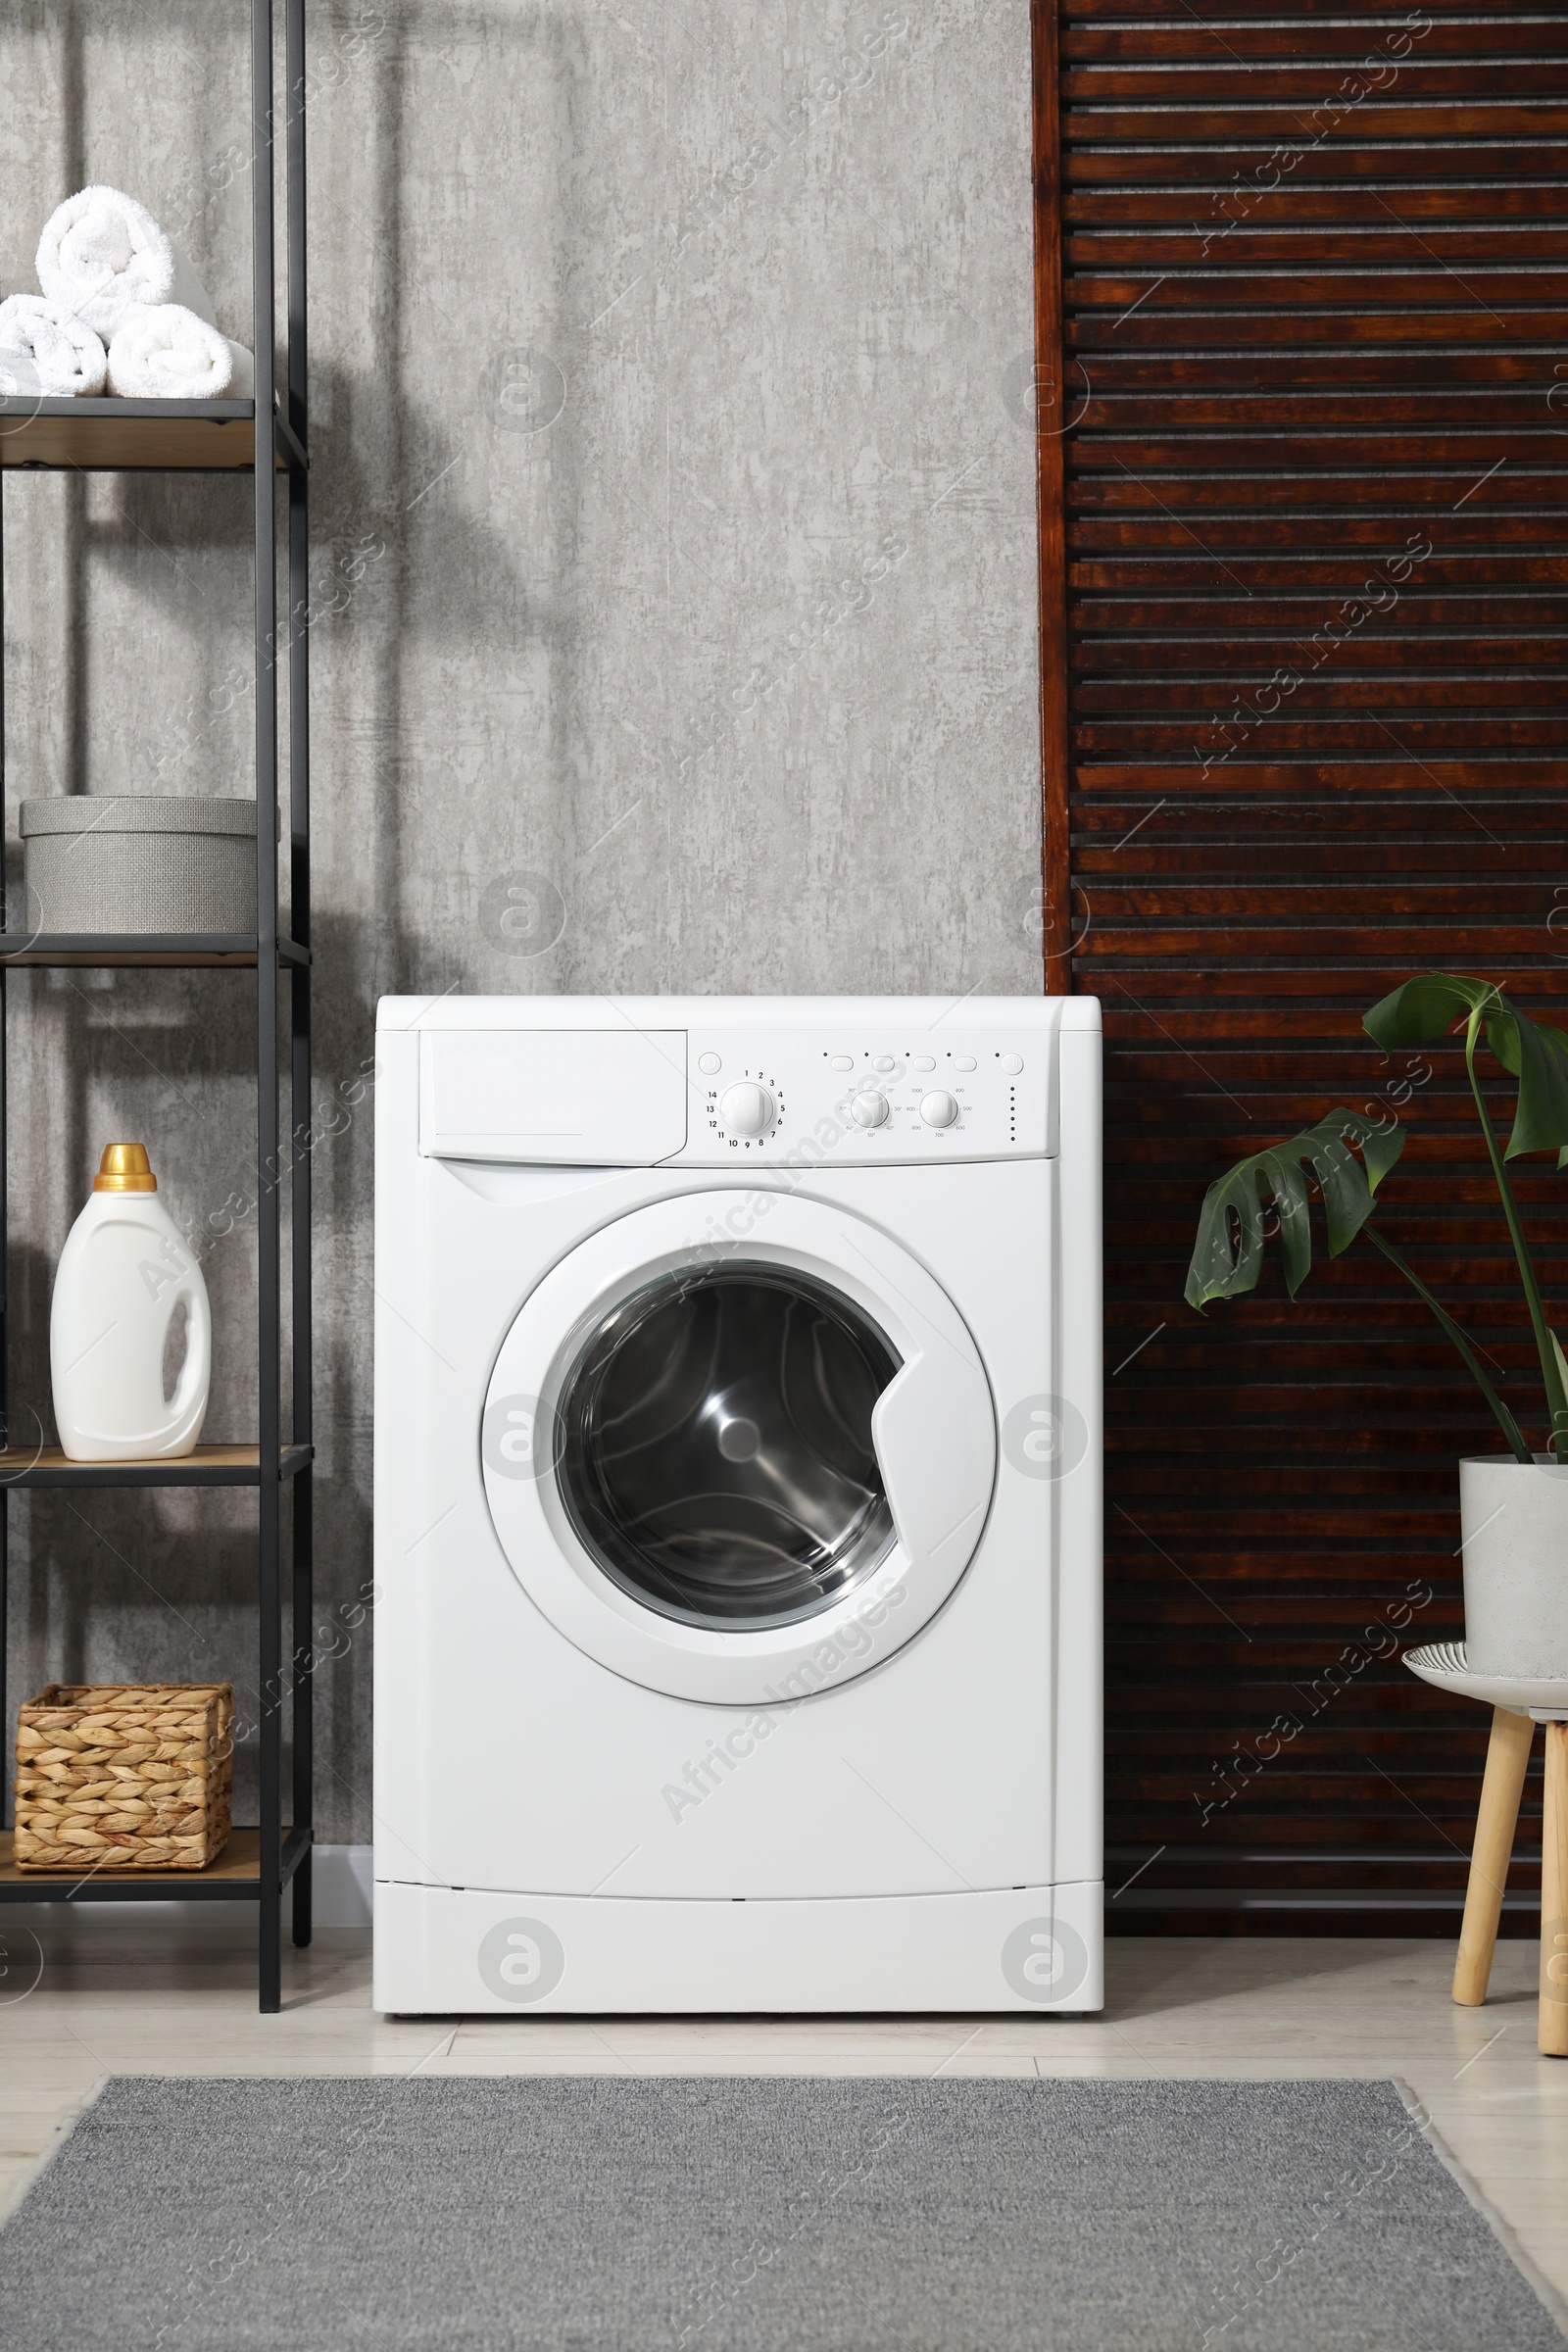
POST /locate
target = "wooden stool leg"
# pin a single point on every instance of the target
(1554, 1898)
(1507, 1756)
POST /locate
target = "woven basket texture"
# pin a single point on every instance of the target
(125, 1776)
(119, 881)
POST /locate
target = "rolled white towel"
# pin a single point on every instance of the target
(102, 256)
(49, 350)
(165, 352)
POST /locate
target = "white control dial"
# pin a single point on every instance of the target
(746, 1108)
(939, 1109)
(869, 1109)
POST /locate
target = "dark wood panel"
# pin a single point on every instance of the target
(1298, 88)
(1253, 125)
(1248, 246)
(1222, 14)
(1418, 284)
(1156, 524)
(1114, 659)
(1316, 332)
(1055, 405)
(1419, 737)
(1419, 785)
(1446, 568)
(1355, 345)
(1171, 38)
(1200, 615)
(1469, 207)
(1394, 490)
(1417, 169)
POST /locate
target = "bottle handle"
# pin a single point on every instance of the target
(194, 1371)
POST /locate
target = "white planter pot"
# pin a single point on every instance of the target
(1514, 1519)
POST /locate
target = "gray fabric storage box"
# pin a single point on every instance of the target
(144, 863)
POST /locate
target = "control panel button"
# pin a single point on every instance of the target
(1013, 1063)
(963, 1061)
(709, 1063)
(922, 1062)
(883, 1064)
(746, 1108)
(841, 1062)
(869, 1109)
(939, 1109)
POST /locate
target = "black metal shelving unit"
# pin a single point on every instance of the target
(225, 436)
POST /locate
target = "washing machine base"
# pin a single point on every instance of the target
(445, 1951)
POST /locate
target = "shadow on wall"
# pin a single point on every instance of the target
(636, 341)
(475, 595)
(156, 564)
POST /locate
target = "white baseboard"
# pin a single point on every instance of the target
(340, 1886)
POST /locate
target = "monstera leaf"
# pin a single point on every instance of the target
(1428, 1008)
(1228, 1254)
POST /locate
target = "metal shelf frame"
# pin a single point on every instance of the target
(85, 436)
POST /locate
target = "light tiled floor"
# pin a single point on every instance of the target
(85, 1994)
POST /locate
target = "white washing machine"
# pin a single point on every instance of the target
(737, 1504)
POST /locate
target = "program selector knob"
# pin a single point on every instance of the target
(746, 1108)
(869, 1110)
(939, 1109)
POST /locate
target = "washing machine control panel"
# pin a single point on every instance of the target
(817, 1098)
(634, 1090)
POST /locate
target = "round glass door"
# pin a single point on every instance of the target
(715, 1454)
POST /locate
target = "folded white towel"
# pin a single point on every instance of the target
(102, 256)
(165, 352)
(48, 350)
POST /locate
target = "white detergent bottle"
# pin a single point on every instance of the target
(124, 1273)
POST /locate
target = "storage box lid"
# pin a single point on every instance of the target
(138, 813)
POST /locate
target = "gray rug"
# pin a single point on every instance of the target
(577, 2214)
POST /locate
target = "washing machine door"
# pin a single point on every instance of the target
(739, 1447)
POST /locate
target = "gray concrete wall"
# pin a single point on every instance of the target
(674, 615)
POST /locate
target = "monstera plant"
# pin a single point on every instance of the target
(1514, 1507)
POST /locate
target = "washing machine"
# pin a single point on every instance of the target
(737, 1592)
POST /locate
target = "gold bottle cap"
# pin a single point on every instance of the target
(124, 1168)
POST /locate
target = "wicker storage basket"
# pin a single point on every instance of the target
(125, 1776)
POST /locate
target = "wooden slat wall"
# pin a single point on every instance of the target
(1314, 302)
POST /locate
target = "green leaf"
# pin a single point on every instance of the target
(1228, 1254)
(1427, 1007)
(1541, 1121)
(1424, 1008)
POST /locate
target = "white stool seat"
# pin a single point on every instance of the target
(1446, 1665)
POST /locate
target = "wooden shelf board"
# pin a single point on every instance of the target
(235, 1876)
(115, 435)
(241, 1858)
(138, 950)
(208, 1467)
